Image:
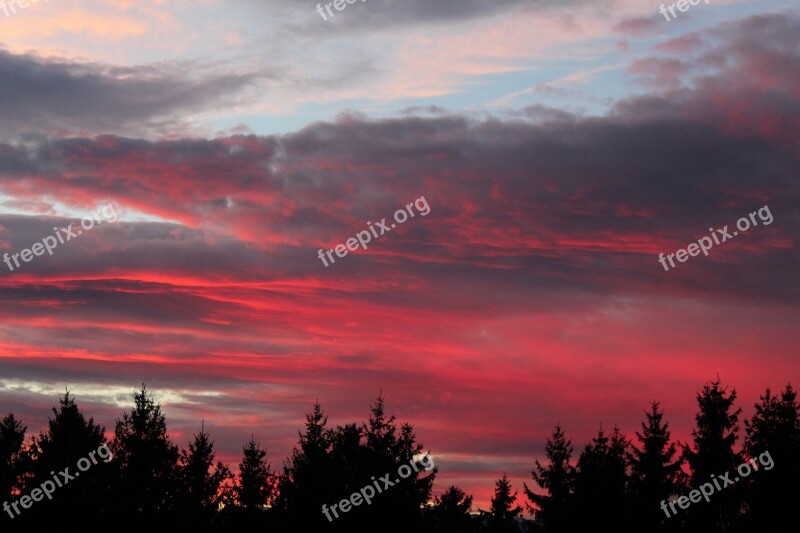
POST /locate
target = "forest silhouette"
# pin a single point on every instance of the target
(614, 484)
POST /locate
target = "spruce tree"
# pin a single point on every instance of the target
(557, 478)
(69, 438)
(773, 438)
(600, 497)
(450, 511)
(307, 481)
(254, 487)
(328, 465)
(350, 459)
(205, 486)
(502, 517)
(656, 472)
(388, 448)
(716, 433)
(12, 437)
(146, 462)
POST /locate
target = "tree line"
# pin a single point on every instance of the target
(614, 484)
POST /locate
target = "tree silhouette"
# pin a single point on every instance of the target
(503, 513)
(254, 487)
(307, 482)
(713, 455)
(386, 451)
(12, 437)
(773, 436)
(557, 478)
(656, 472)
(450, 511)
(204, 485)
(349, 458)
(601, 482)
(145, 460)
(69, 437)
(328, 466)
(613, 486)
(253, 491)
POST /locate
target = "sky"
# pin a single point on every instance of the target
(215, 150)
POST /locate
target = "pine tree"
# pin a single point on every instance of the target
(69, 438)
(254, 487)
(307, 481)
(656, 471)
(503, 514)
(600, 496)
(145, 460)
(773, 438)
(349, 457)
(381, 431)
(12, 437)
(557, 478)
(205, 486)
(619, 453)
(328, 465)
(387, 449)
(450, 511)
(713, 455)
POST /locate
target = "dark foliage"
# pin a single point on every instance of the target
(656, 472)
(360, 477)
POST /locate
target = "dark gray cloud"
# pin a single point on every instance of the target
(39, 95)
(555, 205)
(372, 15)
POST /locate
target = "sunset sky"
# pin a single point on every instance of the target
(561, 146)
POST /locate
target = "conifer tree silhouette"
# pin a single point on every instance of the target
(330, 465)
(69, 437)
(307, 482)
(601, 483)
(716, 433)
(255, 480)
(205, 486)
(773, 436)
(12, 437)
(450, 512)
(558, 479)
(150, 482)
(503, 513)
(145, 485)
(656, 473)
(387, 449)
